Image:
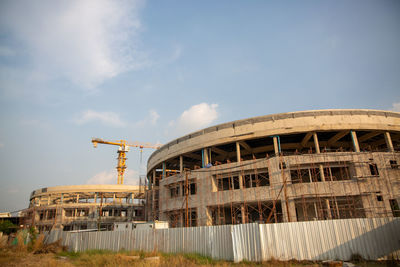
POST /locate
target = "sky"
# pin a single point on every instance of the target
(152, 71)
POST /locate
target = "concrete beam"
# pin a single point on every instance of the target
(367, 136)
(245, 145)
(193, 156)
(219, 151)
(337, 137)
(379, 142)
(305, 139)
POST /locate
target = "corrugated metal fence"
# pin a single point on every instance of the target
(371, 238)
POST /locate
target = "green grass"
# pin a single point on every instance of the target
(199, 259)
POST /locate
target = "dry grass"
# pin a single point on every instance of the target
(13, 257)
(38, 244)
(3, 241)
(16, 258)
(21, 247)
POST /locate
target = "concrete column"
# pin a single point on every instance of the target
(321, 172)
(205, 157)
(276, 146)
(238, 152)
(208, 217)
(181, 164)
(153, 196)
(316, 143)
(164, 167)
(389, 143)
(150, 183)
(77, 198)
(243, 212)
(355, 141)
(238, 160)
(318, 151)
(328, 208)
(291, 208)
(181, 220)
(114, 198)
(62, 198)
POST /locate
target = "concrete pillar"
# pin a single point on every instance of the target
(389, 143)
(276, 146)
(205, 158)
(243, 212)
(150, 183)
(153, 195)
(77, 198)
(164, 167)
(238, 152)
(238, 160)
(208, 217)
(62, 198)
(316, 143)
(181, 164)
(328, 208)
(114, 198)
(291, 208)
(318, 151)
(355, 141)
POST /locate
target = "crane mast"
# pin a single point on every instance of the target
(122, 150)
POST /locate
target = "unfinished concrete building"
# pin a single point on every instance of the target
(297, 166)
(79, 207)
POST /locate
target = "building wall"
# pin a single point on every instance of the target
(312, 165)
(84, 207)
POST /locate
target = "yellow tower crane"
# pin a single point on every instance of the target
(123, 149)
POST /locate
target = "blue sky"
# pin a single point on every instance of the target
(152, 71)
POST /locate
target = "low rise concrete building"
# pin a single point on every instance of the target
(79, 207)
(297, 166)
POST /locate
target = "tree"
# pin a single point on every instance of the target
(7, 227)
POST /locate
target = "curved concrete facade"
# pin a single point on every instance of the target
(308, 165)
(79, 207)
(278, 124)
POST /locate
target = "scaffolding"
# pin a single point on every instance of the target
(280, 184)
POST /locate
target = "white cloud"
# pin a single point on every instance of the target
(396, 106)
(151, 118)
(86, 42)
(154, 117)
(195, 118)
(131, 177)
(106, 118)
